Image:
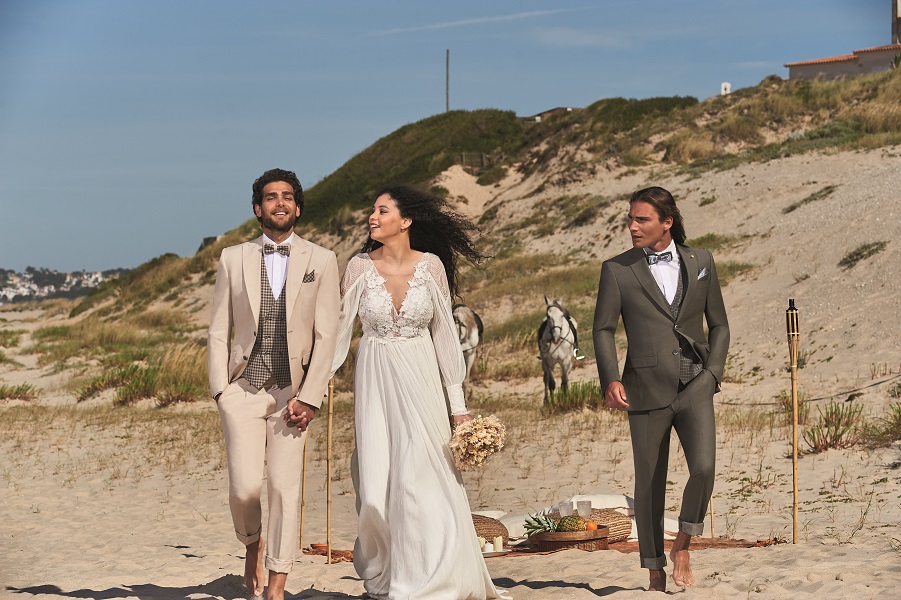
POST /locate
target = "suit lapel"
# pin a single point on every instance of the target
(297, 268)
(690, 260)
(252, 257)
(643, 274)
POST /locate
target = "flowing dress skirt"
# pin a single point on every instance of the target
(416, 537)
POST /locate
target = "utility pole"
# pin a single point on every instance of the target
(447, 80)
(896, 23)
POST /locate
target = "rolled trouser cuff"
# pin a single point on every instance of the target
(655, 563)
(249, 539)
(691, 528)
(279, 566)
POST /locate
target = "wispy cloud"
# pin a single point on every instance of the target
(569, 37)
(474, 21)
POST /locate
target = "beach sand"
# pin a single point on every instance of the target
(106, 503)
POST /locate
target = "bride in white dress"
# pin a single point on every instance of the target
(415, 533)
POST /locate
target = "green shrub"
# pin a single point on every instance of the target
(860, 253)
(818, 195)
(837, 427)
(23, 391)
(578, 396)
(9, 338)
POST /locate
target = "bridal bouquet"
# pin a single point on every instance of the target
(474, 441)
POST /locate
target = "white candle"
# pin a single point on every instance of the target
(499, 543)
(489, 547)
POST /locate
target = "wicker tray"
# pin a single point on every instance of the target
(619, 526)
(581, 540)
(489, 529)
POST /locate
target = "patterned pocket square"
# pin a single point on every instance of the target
(704, 274)
(309, 277)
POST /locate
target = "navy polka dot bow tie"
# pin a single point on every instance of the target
(653, 259)
(284, 249)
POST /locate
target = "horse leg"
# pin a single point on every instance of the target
(564, 377)
(549, 383)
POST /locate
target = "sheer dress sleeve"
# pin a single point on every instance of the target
(444, 337)
(351, 291)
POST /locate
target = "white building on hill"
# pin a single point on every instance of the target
(859, 62)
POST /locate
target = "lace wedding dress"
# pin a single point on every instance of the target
(415, 534)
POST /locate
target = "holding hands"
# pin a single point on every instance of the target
(299, 415)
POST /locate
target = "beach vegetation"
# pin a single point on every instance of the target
(9, 338)
(578, 396)
(8, 360)
(862, 252)
(818, 195)
(23, 391)
(837, 426)
(883, 431)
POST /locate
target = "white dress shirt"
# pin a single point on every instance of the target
(277, 266)
(666, 274)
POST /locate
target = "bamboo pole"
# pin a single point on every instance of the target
(793, 330)
(328, 483)
(303, 493)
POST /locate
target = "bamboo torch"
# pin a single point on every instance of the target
(303, 493)
(328, 483)
(794, 337)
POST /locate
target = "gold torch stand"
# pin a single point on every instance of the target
(794, 337)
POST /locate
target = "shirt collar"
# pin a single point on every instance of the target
(289, 241)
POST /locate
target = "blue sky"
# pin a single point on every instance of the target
(133, 128)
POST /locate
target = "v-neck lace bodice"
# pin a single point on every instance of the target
(401, 461)
(377, 311)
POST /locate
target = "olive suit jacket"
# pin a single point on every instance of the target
(651, 372)
(312, 304)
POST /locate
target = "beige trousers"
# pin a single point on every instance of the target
(255, 434)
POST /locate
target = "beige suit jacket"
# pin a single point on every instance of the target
(628, 290)
(312, 304)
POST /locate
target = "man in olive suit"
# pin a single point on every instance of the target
(664, 291)
(271, 345)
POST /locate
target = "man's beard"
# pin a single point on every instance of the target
(271, 224)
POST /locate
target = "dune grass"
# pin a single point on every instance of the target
(9, 338)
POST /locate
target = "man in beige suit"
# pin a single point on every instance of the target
(664, 291)
(271, 344)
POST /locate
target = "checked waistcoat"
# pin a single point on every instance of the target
(268, 363)
(689, 363)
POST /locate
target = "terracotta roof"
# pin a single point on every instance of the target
(880, 48)
(823, 61)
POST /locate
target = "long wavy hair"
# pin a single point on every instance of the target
(435, 228)
(665, 205)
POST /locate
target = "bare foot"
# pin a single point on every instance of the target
(276, 589)
(254, 572)
(658, 580)
(682, 575)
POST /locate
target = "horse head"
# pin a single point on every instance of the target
(559, 323)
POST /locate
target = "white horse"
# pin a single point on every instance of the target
(469, 330)
(557, 341)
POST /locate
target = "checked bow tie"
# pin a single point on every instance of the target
(653, 259)
(284, 249)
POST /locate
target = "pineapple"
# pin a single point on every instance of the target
(573, 523)
(539, 523)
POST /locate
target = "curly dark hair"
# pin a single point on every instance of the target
(277, 175)
(665, 205)
(435, 228)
